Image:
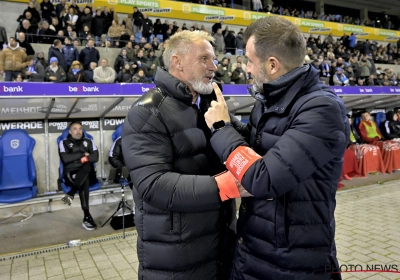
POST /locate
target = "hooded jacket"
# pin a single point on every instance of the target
(390, 128)
(181, 223)
(286, 230)
(120, 61)
(12, 59)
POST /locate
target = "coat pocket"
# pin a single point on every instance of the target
(280, 222)
(175, 221)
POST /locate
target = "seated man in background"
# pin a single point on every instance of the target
(369, 131)
(78, 155)
(104, 74)
(391, 127)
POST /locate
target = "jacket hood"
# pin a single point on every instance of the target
(16, 47)
(389, 115)
(120, 53)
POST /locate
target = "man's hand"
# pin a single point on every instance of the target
(87, 154)
(53, 78)
(28, 73)
(218, 109)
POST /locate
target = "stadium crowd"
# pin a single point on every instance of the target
(65, 26)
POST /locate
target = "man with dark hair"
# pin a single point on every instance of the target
(89, 54)
(34, 71)
(183, 228)
(289, 161)
(70, 52)
(79, 154)
(56, 51)
(137, 17)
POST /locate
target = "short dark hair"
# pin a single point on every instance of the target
(74, 122)
(278, 37)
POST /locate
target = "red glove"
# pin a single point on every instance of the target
(227, 185)
(84, 159)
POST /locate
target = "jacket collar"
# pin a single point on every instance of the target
(280, 93)
(172, 86)
(179, 90)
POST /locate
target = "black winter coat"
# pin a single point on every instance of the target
(286, 230)
(115, 157)
(79, 77)
(54, 52)
(70, 54)
(88, 55)
(72, 150)
(179, 217)
(390, 128)
(99, 26)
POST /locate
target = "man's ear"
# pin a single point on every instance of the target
(177, 62)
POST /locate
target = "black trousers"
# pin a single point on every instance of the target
(79, 182)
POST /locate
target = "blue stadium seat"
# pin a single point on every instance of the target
(17, 168)
(380, 118)
(160, 38)
(61, 180)
(117, 132)
(138, 36)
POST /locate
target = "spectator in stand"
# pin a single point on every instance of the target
(215, 27)
(31, 9)
(55, 73)
(257, 5)
(86, 19)
(25, 27)
(114, 32)
(60, 7)
(238, 59)
(85, 35)
(40, 58)
(19, 78)
(128, 26)
(126, 74)
(238, 75)
(155, 44)
(72, 18)
(89, 72)
(230, 42)
(130, 52)
(26, 46)
(219, 42)
(56, 25)
(99, 26)
(47, 9)
(153, 63)
(350, 75)
(104, 74)
(3, 37)
(107, 15)
(368, 129)
(76, 74)
(120, 61)
(137, 17)
(70, 52)
(89, 54)
(365, 67)
(45, 35)
(240, 45)
(34, 22)
(158, 27)
(140, 77)
(124, 38)
(12, 60)
(223, 73)
(34, 71)
(147, 27)
(56, 51)
(325, 72)
(140, 60)
(340, 79)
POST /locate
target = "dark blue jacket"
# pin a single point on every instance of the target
(55, 52)
(88, 55)
(286, 231)
(70, 54)
(180, 220)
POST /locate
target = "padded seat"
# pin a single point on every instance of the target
(61, 182)
(17, 167)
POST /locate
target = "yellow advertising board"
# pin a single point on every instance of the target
(202, 13)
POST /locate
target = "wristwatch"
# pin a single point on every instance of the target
(218, 125)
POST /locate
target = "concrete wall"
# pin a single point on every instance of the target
(9, 12)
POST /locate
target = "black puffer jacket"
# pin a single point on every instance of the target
(390, 128)
(286, 231)
(180, 219)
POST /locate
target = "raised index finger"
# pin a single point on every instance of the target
(218, 93)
